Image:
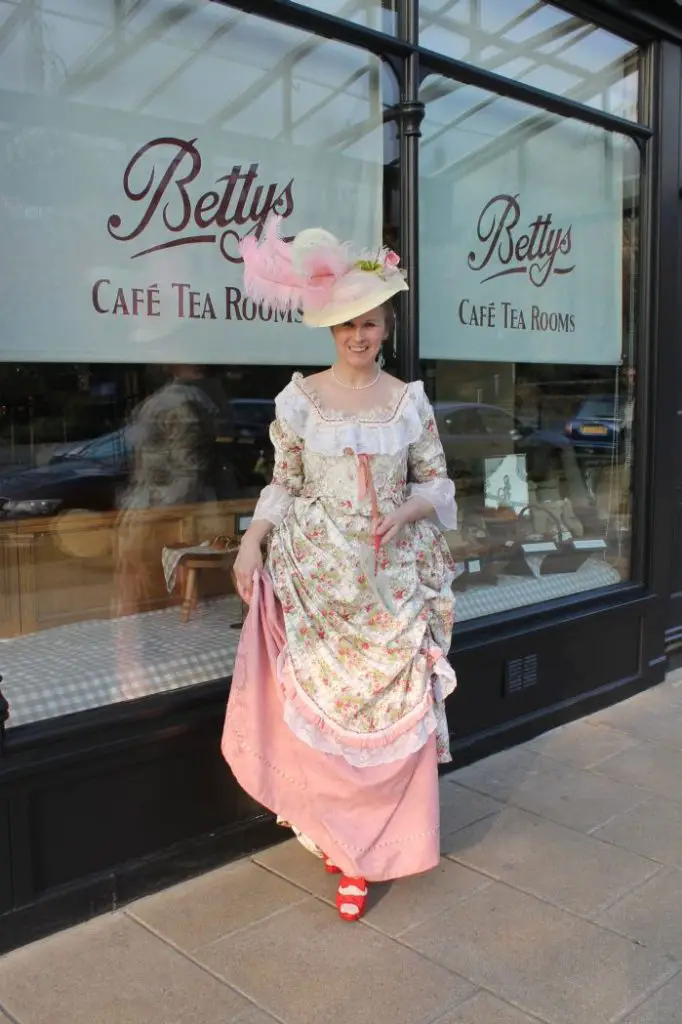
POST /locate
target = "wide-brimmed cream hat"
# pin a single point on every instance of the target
(318, 275)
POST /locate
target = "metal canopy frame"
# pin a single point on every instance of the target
(118, 45)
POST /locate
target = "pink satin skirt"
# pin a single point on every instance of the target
(380, 822)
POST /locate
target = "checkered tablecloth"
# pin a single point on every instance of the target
(521, 591)
(90, 664)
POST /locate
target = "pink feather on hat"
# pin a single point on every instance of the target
(269, 274)
(285, 276)
(323, 266)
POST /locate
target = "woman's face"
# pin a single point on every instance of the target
(358, 341)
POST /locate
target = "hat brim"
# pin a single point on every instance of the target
(341, 311)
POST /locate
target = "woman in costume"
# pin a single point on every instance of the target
(338, 724)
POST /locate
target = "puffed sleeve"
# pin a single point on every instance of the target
(427, 468)
(287, 478)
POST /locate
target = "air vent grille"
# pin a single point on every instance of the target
(520, 674)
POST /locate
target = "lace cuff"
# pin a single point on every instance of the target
(273, 504)
(439, 492)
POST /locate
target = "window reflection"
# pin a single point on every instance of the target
(538, 44)
(529, 249)
(123, 492)
(137, 383)
(542, 460)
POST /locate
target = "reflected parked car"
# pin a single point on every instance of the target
(92, 476)
(472, 431)
(250, 417)
(598, 428)
(88, 476)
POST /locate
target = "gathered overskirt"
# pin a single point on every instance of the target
(379, 821)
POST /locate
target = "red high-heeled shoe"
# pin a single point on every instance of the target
(329, 866)
(351, 896)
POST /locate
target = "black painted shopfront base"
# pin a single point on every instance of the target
(102, 894)
(526, 681)
(108, 806)
(114, 805)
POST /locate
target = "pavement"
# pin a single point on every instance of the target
(558, 900)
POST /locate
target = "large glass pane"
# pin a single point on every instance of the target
(529, 276)
(139, 143)
(538, 44)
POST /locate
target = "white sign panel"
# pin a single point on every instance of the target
(141, 264)
(506, 482)
(521, 255)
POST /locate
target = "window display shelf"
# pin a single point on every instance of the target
(520, 591)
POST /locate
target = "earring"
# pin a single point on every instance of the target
(381, 361)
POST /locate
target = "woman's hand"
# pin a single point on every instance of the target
(390, 526)
(248, 562)
(413, 509)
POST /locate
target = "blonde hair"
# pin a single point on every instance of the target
(389, 316)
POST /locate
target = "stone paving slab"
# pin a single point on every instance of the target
(558, 901)
(255, 1016)
(460, 807)
(664, 1007)
(646, 717)
(583, 744)
(651, 914)
(540, 958)
(203, 909)
(112, 971)
(304, 965)
(651, 766)
(558, 864)
(652, 829)
(486, 1009)
(575, 797)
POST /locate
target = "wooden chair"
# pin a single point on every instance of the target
(219, 554)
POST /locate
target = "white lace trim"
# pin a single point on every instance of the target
(273, 504)
(444, 683)
(441, 494)
(303, 839)
(331, 433)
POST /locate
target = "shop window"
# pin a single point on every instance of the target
(528, 331)
(138, 144)
(539, 44)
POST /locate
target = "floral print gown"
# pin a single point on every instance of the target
(364, 672)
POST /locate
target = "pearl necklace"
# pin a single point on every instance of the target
(356, 387)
